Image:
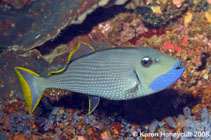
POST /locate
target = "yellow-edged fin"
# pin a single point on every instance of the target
(93, 103)
(25, 87)
(70, 57)
(36, 102)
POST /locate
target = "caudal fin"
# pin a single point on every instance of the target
(32, 86)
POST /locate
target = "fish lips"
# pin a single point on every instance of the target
(167, 79)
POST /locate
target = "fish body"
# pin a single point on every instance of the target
(115, 74)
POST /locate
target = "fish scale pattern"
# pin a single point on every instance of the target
(96, 76)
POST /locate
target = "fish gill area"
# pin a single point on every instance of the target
(40, 34)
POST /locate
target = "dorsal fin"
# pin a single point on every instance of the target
(84, 49)
(81, 49)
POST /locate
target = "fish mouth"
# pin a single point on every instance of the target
(167, 79)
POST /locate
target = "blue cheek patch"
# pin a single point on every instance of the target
(167, 79)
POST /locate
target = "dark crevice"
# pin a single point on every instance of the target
(204, 58)
(72, 31)
(3, 49)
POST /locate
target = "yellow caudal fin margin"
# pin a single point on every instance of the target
(31, 94)
(70, 57)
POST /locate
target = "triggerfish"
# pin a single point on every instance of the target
(120, 73)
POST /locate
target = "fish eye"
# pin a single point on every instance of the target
(146, 61)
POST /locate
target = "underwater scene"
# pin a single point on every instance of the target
(105, 69)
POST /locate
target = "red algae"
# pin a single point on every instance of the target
(185, 41)
(147, 34)
(168, 45)
(115, 128)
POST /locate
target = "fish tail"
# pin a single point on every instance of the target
(32, 86)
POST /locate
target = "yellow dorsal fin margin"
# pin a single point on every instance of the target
(69, 57)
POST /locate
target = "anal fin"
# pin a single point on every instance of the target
(93, 103)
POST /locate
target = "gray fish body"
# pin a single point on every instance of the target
(115, 74)
(109, 74)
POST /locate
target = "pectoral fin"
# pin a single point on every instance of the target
(134, 84)
(93, 103)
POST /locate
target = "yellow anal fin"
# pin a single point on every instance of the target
(93, 103)
(73, 55)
